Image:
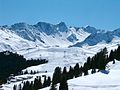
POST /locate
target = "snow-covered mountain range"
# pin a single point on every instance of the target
(48, 34)
(45, 34)
(42, 34)
(44, 40)
(107, 37)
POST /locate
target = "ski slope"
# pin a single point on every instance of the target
(66, 57)
(97, 81)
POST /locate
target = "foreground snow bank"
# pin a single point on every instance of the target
(98, 81)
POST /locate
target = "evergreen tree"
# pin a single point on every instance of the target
(45, 82)
(111, 56)
(85, 69)
(27, 87)
(31, 86)
(56, 76)
(102, 60)
(26, 72)
(70, 73)
(76, 70)
(48, 81)
(63, 83)
(31, 72)
(15, 87)
(19, 87)
(88, 62)
(53, 87)
(36, 84)
(118, 53)
(94, 63)
(80, 71)
(24, 86)
(39, 83)
(65, 72)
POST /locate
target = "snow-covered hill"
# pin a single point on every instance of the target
(97, 81)
(12, 42)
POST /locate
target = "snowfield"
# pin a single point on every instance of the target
(69, 57)
(97, 81)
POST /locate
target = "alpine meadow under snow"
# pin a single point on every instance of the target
(64, 47)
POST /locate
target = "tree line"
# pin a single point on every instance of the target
(13, 63)
(95, 64)
(34, 85)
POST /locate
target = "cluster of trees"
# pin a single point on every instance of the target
(31, 72)
(101, 59)
(13, 63)
(115, 55)
(98, 61)
(34, 85)
(60, 77)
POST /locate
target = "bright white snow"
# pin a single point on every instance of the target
(59, 55)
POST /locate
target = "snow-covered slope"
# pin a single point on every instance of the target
(60, 57)
(59, 35)
(64, 57)
(12, 42)
(47, 34)
(106, 37)
(98, 81)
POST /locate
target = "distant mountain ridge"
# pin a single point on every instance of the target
(96, 38)
(48, 34)
(60, 35)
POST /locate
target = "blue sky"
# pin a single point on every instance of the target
(103, 14)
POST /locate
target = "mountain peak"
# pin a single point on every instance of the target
(43, 23)
(62, 27)
(88, 26)
(21, 25)
(61, 23)
(91, 29)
